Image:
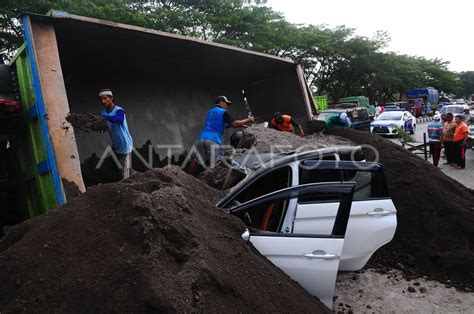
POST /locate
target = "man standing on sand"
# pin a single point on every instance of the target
(122, 143)
(210, 138)
(448, 135)
(435, 134)
(460, 140)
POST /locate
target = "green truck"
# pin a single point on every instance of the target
(360, 101)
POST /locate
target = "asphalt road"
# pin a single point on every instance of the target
(465, 176)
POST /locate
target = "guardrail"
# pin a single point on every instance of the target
(417, 147)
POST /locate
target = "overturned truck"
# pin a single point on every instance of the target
(165, 82)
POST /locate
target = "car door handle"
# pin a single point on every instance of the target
(379, 212)
(320, 255)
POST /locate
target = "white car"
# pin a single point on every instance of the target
(313, 214)
(388, 122)
(456, 110)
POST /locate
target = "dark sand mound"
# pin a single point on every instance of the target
(88, 122)
(435, 233)
(152, 243)
(265, 140)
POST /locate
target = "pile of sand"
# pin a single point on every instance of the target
(88, 122)
(153, 242)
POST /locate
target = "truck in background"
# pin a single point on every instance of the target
(360, 101)
(422, 101)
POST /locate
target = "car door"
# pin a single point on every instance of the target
(406, 122)
(373, 215)
(312, 260)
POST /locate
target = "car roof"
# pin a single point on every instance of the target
(398, 110)
(343, 109)
(460, 105)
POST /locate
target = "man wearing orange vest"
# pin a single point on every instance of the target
(284, 123)
(460, 141)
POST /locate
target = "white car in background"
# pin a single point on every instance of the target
(456, 110)
(388, 122)
(312, 214)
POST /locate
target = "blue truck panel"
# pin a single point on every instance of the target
(430, 94)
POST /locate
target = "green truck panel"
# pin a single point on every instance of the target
(37, 185)
(320, 102)
(361, 101)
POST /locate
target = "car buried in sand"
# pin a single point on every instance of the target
(314, 213)
(389, 122)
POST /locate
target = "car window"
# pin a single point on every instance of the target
(268, 217)
(390, 115)
(323, 116)
(452, 109)
(319, 175)
(274, 180)
(268, 212)
(369, 184)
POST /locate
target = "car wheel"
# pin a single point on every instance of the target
(413, 129)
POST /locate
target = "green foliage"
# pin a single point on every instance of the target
(403, 136)
(10, 29)
(466, 81)
(335, 61)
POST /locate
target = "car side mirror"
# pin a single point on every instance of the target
(246, 235)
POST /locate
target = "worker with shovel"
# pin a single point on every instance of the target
(286, 123)
(210, 138)
(122, 143)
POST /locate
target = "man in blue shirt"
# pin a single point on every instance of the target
(435, 134)
(122, 143)
(210, 138)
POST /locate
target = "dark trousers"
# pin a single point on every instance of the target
(459, 154)
(449, 152)
(435, 149)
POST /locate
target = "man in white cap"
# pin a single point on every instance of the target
(435, 134)
(122, 143)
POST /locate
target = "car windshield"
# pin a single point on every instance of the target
(390, 116)
(452, 109)
(323, 116)
(403, 105)
(414, 102)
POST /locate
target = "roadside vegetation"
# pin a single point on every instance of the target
(336, 61)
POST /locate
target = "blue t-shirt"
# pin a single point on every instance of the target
(122, 142)
(215, 125)
(435, 131)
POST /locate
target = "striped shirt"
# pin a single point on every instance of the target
(435, 131)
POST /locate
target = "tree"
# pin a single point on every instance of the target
(335, 61)
(243, 23)
(466, 82)
(10, 28)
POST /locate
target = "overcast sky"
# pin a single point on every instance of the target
(428, 28)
